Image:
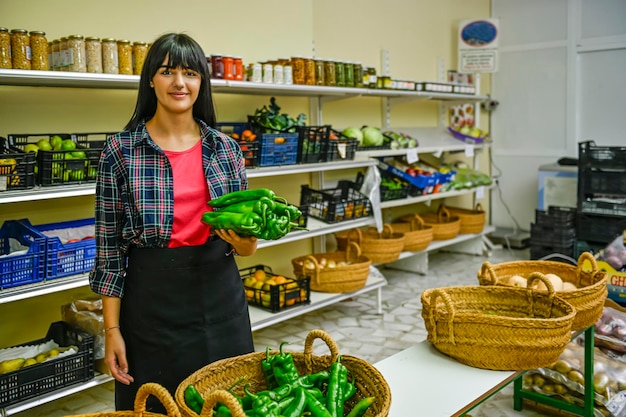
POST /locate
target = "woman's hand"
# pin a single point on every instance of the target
(115, 356)
(244, 246)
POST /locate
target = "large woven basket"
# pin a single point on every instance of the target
(226, 373)
(472, 221)
(150, 388)
(340, 278)
(380, 247)
(500, 328)
(417, 235)
(445, 225)
(587, 300)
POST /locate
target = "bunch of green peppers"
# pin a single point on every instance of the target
(258, 212)
(290, 394)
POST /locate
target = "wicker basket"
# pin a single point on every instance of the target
(380, 247)
(587, 300)
(445, 225)
(344, 278)
(472, 221)
(494, 327)
(144, 391)
(417, 235)
(225, 373)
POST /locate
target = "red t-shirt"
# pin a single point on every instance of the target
(191, 194)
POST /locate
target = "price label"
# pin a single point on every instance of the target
(427, 202)
(342, 150)
(438, 153)
(412, 156)
(469, 150)
(480, 192)
(4, 181)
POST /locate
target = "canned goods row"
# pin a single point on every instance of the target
(226, 67)
(20, 49)
(310, 71)
(271, 72)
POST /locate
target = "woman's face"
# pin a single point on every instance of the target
(176, 89)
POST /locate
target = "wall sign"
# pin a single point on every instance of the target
(478, 45)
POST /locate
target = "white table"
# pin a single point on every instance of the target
(425, 382)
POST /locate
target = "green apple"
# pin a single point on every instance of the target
(31, 147)
(55, 141)
(79, 155)
(44, 145)
(68, 145)
(465, 130)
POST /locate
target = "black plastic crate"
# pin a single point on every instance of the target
(604, 206)
(592, 156)
(265, 289)
(392, 187)
(249, 148)
(312, 143)
(599, 228)
(17, 168)
(557, 217)
(341, 147)
(303, 220)
(336, 204)
(45, 377)
(550, 236)
(538, 251)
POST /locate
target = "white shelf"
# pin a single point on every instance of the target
(30, 78)
(430, 197)
(439, 244)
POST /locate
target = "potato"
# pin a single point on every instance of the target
(517, 281)
(568, 286)
(555, 280)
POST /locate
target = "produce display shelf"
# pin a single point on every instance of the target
(29, 78)
(439, 244)
(430, 197)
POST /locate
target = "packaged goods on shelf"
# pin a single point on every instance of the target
(53, 373)
(392, 187)
(17, 168)
(340, 147)
(86, 314)
(23, 256)
(247, 140)
(345, 202)
(612, 260)
(274, 292)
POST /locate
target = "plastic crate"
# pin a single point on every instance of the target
(278, 149)
(538, 251)
(342, 148)
(71, 257)
(592, 156)
(313, 143)
(24, 268)
(546, 235)
(277, 297)
(303, 220)
(45, 377)
(556, 217)
(250, 149)
(599, 228)
(388, 193)
(336, 204)
(17, 168)
(62, 167)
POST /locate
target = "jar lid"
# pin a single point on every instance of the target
(108, 40)
(92, 38)
(19, 31)
(123, 41)
(4, 30)
(56, 41)
(140, 43)
(75, 37)
(37, 32)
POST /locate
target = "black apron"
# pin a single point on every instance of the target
(182, 309)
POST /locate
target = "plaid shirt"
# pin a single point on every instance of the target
(134, 204)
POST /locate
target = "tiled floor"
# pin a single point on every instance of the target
(354, 325)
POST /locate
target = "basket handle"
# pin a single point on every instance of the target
(161, 393)
(353, 252)
(479, 207)
(447, 301)
(443, 214)
(308, 347)
(355, 231)
(591, 277)
(486, 275)
(417, 223)
(387, 231)
(541, 277)
(316, 278)
(224, 397)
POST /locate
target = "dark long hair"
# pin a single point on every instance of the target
(183, 52)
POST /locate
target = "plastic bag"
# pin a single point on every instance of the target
(371, 189)
(87, 315)
(614, 254)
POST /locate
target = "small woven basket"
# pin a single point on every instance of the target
(493, 327)
(345, 278)
(445, 225)
(472, 221)
(380, 247)
(417, 235)
(213, 380)
(150, 388)
(587, 300)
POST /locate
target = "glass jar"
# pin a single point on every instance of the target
(348, 68)
(297, 66)
(340, 74)
(5, 49)
(256, 74)
(54, 57)
(309, 71)
(288, 73)
(20, 49)
(329, 73)
(110, 63)
(372, 79)
(39, 51)
(279, 76)
(238, 68)
(227, 61)
(217, 66)
(358, 74)
(268, 73)
(93, 53)
(140, 50)
(77, 60)
(63, 54)
(319, 72)
(125, 57)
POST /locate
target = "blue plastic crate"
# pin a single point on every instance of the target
(25, 268)
(273, 153)
(70, 258)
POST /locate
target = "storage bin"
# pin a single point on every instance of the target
(249, 148)
(417, 235)
(472, 221)
(336, 204)
(275, 296)
(23, 268)
(313, 143)
(380, 247)
(17, 168)
(49, 376)
(341, 147)
(66, 257)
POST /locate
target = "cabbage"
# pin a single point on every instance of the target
(354, 133)
(372, 136)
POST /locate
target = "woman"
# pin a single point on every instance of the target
(172, 296)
